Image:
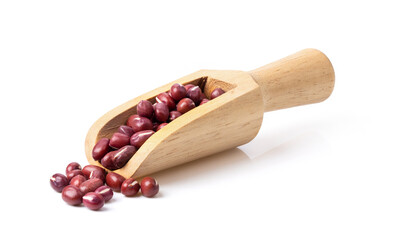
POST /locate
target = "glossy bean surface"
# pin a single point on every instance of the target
(90, 185)
(205, 100)
(100, 149)
(174, 115)
(149, 187)
(167, 99)
(114, 181)
(72, 195)
(97, 174)
(161, 126)
(89, 168)
(195, 94)
(106, 192)
(119, 140)
(107, 161)
(93, 201)
(130, 187)
(140, 138)
(77, 181)
(161, 112)
(123, 155)
(126, 130)
(185, 105)
(145, 109)
(58, 181)
(73, 173)
(188, 86)
(140, 124)
(216, 93)
(178, 91)
(73, 166)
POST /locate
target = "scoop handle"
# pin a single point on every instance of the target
(302, 78)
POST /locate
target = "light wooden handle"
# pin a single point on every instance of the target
(302, 78)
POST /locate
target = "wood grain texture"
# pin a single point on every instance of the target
(302, 78)
(228, 121)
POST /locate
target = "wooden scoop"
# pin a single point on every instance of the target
(228, 121)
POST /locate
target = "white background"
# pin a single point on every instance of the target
(323, 171)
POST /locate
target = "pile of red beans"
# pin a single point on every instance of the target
(93, 186)
(113, 153)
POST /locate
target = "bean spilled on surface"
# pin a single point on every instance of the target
(93, 193)
(73, 166)
(58, 181)
(90, 185)
(72, 195)
(77, 180)
(130, 187)
(88, 169)
(74, 173)
(115, 181)
(93, 201)
(106, 192)
(149, 187)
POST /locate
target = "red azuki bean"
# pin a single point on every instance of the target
(161, 126)
(107, 161)
(188, 86)
(140, 138)
(194, 94)
(126, 130)
(185, 105)
(119, 140)
(130, 187)
(149, 187)
(145, 109)
(203, 96)
(73, 173)
(178, 91)
(155, 125)
(93, 201)
(174, 115)
(90, 185)
(106, 192)
(72, 195)
(131, 119)
(58, 181)
(100, 149)
(89, 168)
(97, 174)
(123, 155)
(73, 166)
(77, 180)
(161, 112)
(205, 100)
(167, 99)
(114, 181)
(216, 93)
(140, 124)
